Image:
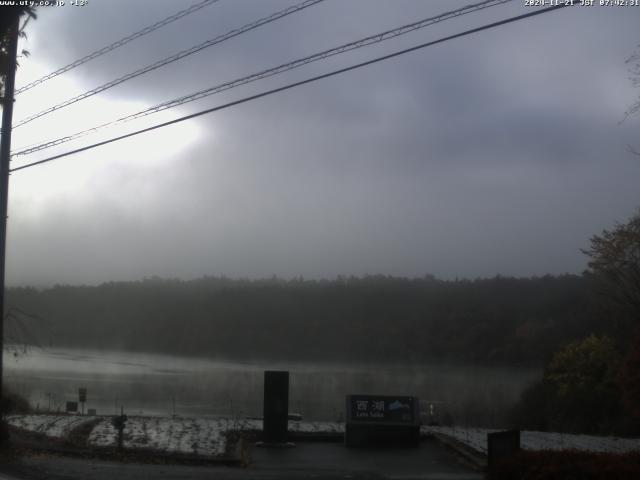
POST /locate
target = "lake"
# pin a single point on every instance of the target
(155, 384)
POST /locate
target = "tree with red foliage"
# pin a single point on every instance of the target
(615, 266)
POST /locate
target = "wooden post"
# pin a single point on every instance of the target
(5, 155)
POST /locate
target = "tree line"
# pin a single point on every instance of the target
(374, 318)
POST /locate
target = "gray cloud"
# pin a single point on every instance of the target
(496, 153)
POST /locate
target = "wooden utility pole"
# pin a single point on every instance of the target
(5, 154)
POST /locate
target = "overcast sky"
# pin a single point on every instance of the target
(496, 153)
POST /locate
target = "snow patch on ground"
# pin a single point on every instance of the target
(197, 436)
(54, 426)
(476, 438)
(316, 427)
(208, 436)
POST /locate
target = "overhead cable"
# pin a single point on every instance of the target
(363, 42)
(171, 59)
(296, 84)
(123, 41)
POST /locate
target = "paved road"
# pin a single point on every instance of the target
(317, 461)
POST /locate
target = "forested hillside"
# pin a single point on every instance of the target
(498, 320)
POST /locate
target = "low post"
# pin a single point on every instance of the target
(502, 446)
(118, 422)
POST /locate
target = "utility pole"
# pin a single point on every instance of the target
(5, 154)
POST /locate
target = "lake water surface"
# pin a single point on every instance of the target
(153, 384)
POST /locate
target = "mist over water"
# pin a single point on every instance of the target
(151, 384)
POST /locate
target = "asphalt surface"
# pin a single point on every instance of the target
(308, 460)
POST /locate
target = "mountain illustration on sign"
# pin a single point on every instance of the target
(397, 405)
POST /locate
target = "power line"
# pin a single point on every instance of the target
(363, 42)
(123, 41)
(172, 58)
(297, 84)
